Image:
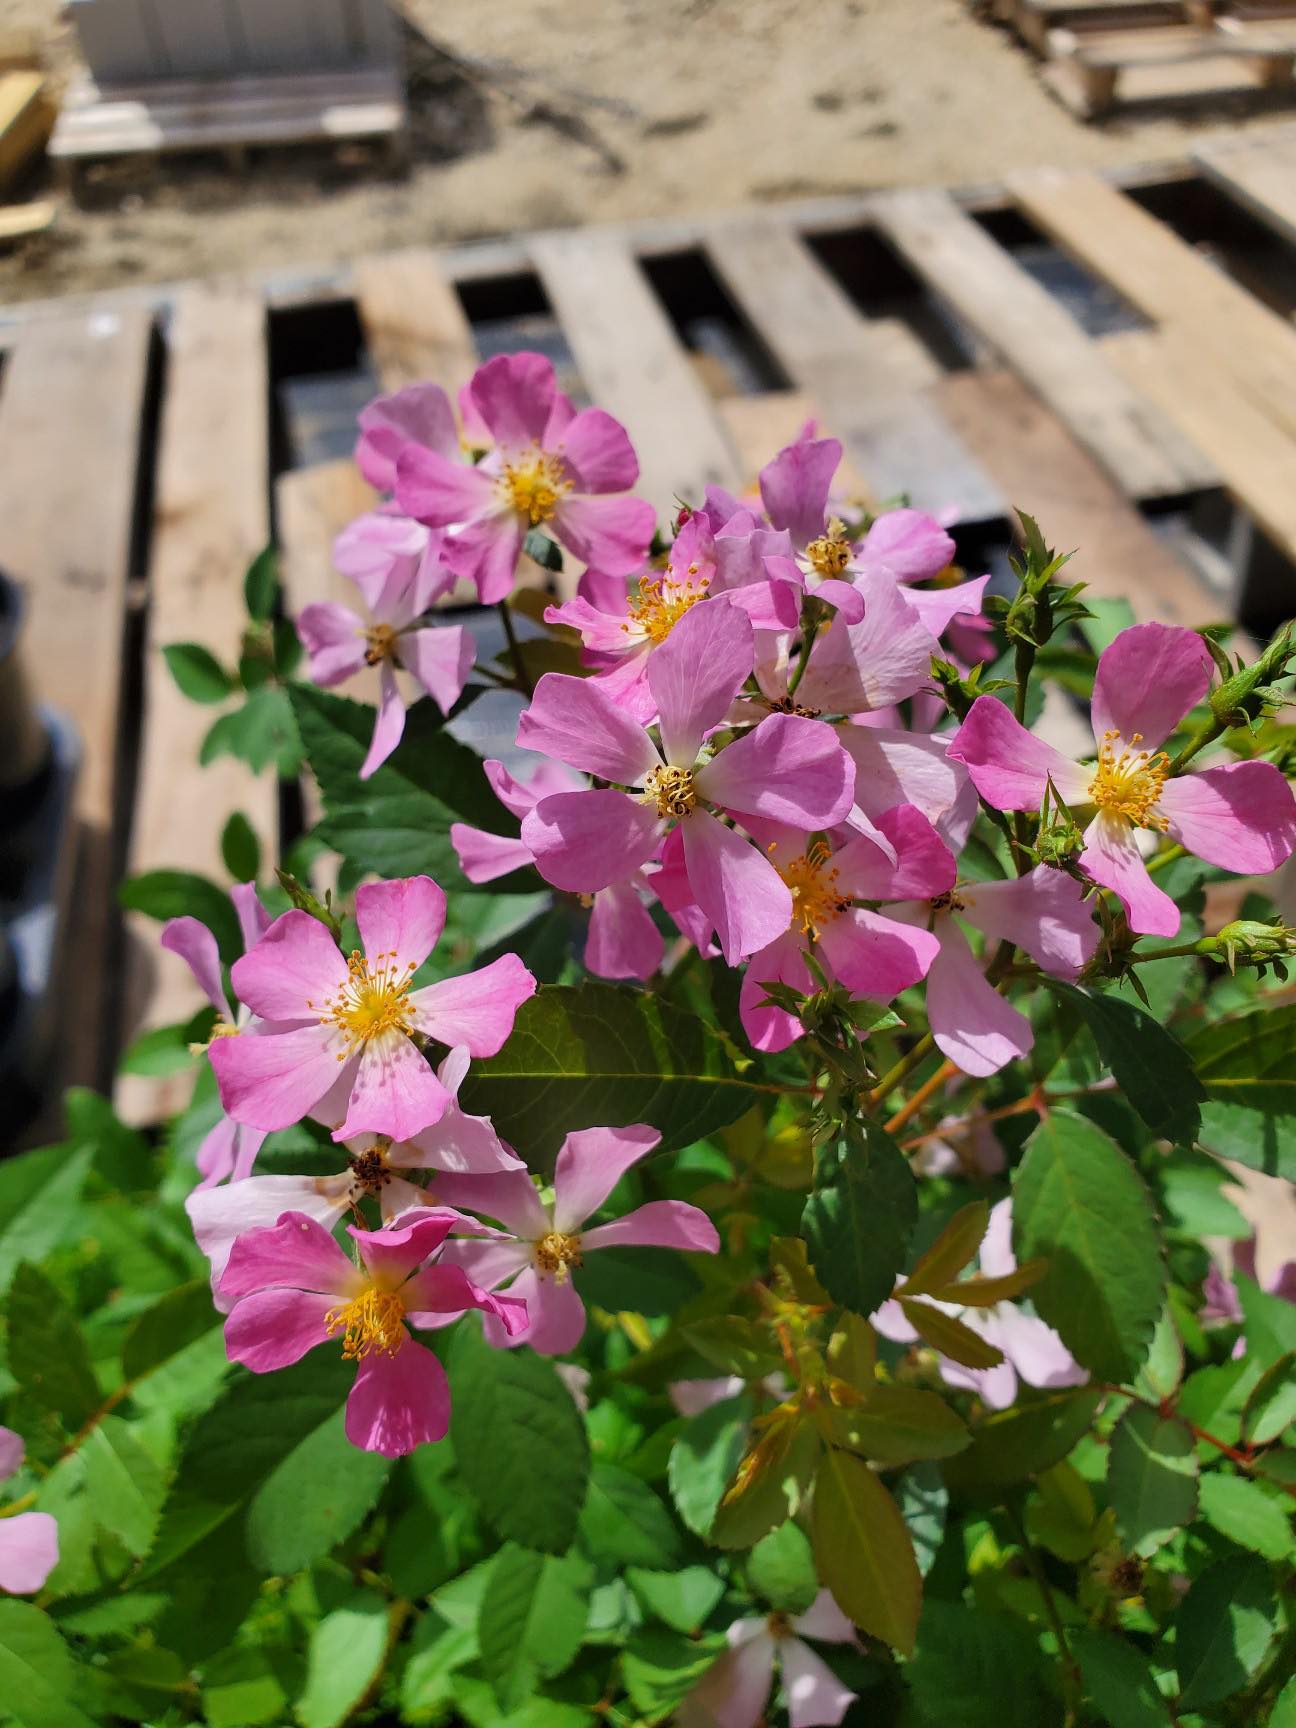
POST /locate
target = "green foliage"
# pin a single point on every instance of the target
(36, 1672)
(863, 1551)
(532, 1619)
(1149, 1063)
(1152, 1477)
(199, 675)
(1223, 1630)
(240, 848)
(858, 1221)
(1247, 1067)
(164, 894)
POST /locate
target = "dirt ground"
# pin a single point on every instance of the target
(544, 113)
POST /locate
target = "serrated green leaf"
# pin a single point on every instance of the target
(735, 1345)
(900, 1424)
(1223, 1630)
(1149, 1063)
(313, 1499)
(781, 1568)
(532, 1619)
(682, 1600)
(1151, 1477)
(47, 1352)
(952, 1250)
(1160, 1375)
(241, 1688)
(977, 1670)
(39, 1203)
(704, 1457)
(1248, 1069)
(346, 1655)
(37, 1677)
(1060, 1514)
(198, 674)
(858, 1221)
(1079, 1203)
(624, 1523)
(1271, 1405)
(160, 1051)
(124, 1484)
(1248, 1514)
(923, 1500)
(660, 1667)
(260, 732)
(864, 1552)
(1118, 1680)
(167, 1327)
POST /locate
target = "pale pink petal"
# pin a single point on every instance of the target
(591, 1163)
(29, 1552)
(733, 1693)
(399, 1402)
(769, 605)
(741, 893)
(296, 1252)
(883, 659)
(625, 681)
(11, 1452)
(292, 972)
(922, 866)
(247, 1145)
(613, 533)
(816, 1698)
(334, 639)
(796, 484)
(400, 922)
(490, 1264)
(658, 1224)
(893, 1323)
(437, 491)
(584, 841)
(996, 1251)
(380, 552)
(220, 1216)
(577, 722)
(217, 1151)
(894, 767)
(695, 675)
(521, 796)
(787, 769)
(598, 453)
(394, 1091)
(970, 1021)
(441, 660)
(1148, 678)
(606, 631)
(389, 722)
(937, 608)
(605, 593)
(782, 962)
(874, 956)
(253, 918)
(1044, 912)
(824, 1621)
(196, 946)
(476, 1010)
(692, 1397)
(510, 1197)
(1010, 766)
(843, 597)
(1034, 1349)
(273, 1081)
(1241, 817)
(623, 941)
(996, 1387)
(275, 1328)
(513, 394)
(485, 857)
(395, 1251)
(419, 414)
(555, 1315)
(486, 552)
(1111, 857)
(459, 1142)
(910, 543)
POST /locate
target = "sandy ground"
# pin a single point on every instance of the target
(538, 113)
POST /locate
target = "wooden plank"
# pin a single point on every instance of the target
(896, 437)
(70, 418)
(211, 517)
(1029, 331)
(633, 365)
(414, 322)
(1038, 462)
(21, 221)
(26, 117)
(1258, 173)
(761, 426)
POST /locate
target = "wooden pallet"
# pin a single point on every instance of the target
(137, 467)
(1034, 19)
(1094, 73)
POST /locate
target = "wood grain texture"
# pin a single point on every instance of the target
(414, 322)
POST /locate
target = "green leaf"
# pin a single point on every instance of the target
(948, 1334)
(1247, 1514)
(858, 1221)
(1248, 1069)
(164, 894)
(497, 1396)
(923, 1500)
(347, 1650)
(1284, 1710)
(898, 1424)
(863, 1551)
(774, 1490)
(977, 1670)
(39, 1195)
(259, 733)
(240, 848)
(681, 1599)
(623, 1522)
(546, 552)
(660, 1667)
(1152, 1477)
(167, 1327)
(163, 1050)
(47, 1352)
(735, 1346)
(781, 1568)
(261, 585)
(1079, 1202)
(1160, 1375)
(703, 1460)
(124, 1484)
(1011, 1445)
(1223, 1630)
(1271, 1407)
(199, 675)
(37, 1676)
(952, 1250)
(1150, 1065)
(599, 1053)
(242, 1689)
(1118, 1680)
(313, 1499)
(532, 1619)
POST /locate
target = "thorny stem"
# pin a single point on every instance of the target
(1071, 1681)
(515, 650)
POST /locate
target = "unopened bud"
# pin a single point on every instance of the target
(1253, 943)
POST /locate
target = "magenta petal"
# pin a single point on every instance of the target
(598, 453)
(484, 857)
(398, 1402)
(244, 1209)
(400, 922)
(253, 918)
(937, 608)
(1044, 912)
(1241, 817)
(196, 946)
(521, 796)
(584, 841)
(1111, 857)
(696, 673)
(217, 1151)
(591, 1163)
(555, 1314)
(476, 1010)
(447, 1289)
(511, 1197)
(612, 534)
(395, 1251)
(275, 1328)
(970, 1021)
(894, 767)
(577, 722)
(1010, 767)
(623, 941)
(787, 769)
(437, 491)
(293, 970)
(874, 956)
(782, 962)
(419, 414)
(274, 1080)
(440, 658)
(389, 722)
(880, 660)
(816, 1698)
(796, 484)
(295, 1252)
(395, 1091)
(923, 866)
(739, 891)
(29, 1550)
(513, 394)
(1148, 678)
(659, 1224)
(334, 639)
(486, 552)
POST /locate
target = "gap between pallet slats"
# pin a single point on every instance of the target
(1258, 171)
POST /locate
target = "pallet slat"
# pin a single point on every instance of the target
(864, 392)
(1259, 175)
(1038, 338)
(414, 322)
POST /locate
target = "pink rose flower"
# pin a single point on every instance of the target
(292, 1288)
(341, 1045)
(735, 1691)
(29, 1547)
(1239, 817)
(420, 415)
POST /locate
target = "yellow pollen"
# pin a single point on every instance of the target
(816, 898)
(662, 603)
(1129, 784)
(374, 999)
(831, 552)
(534, 484)
(371, 1321)
(382, 644)
(557, 1253)
(672, 790)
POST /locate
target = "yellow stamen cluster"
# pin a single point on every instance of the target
(816, 898)
(534, 485)
(382, 644)
(1129, 784)
(831, 552)
(672, 790)
(374, 999)
(557, 1253)
(662, 602)
(373, 1320)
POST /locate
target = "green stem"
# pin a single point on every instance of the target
(902, 1070)
(1169, 856)
(515, 651)
(800, 669)
(1205, 735)
(1071, 1680)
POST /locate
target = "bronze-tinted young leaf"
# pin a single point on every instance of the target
(952, 1250)
(771, 1484)
(898, 1425)
(981, 1292)
(864, 1552)
(852, 1352)
(950, 1336)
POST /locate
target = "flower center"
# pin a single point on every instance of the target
(816, 898)
(372, 1001)
(382, 644)
(948, 902)
(557, 1253)
(369, 1169)
(373, 1320)
(1129, 784)
(534, 484)
(672, 790)
(831, 552)
(663, 602)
